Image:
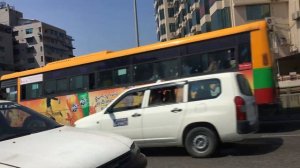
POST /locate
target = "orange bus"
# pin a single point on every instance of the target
(70, 89)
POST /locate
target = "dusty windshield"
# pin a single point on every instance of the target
(17, 120)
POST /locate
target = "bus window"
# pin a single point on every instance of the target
(105, 78)
(62, 85)
(167, 69)
(225, 59)
(80, 82)
(9, 93)
(121, 76)
(144, 72)
(244, 53)
(50, 87)
(31, 91)
(220, 60)
(191, 64)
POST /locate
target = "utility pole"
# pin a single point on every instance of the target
(136, 24)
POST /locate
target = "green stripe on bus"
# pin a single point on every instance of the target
(263, 78)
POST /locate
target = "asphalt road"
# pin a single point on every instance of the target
(276, 146)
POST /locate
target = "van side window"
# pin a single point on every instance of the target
(204, 89)
(129, 102)
(166, 95)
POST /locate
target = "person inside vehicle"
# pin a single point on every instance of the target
(213, 64)
(194, 92)
(214, 89)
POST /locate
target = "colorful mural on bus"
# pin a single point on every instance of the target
(67, 109)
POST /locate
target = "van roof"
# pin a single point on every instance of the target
(208, 76)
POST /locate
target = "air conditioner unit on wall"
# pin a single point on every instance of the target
(296, 15)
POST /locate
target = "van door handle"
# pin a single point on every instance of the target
(136, 115)
(176, 110)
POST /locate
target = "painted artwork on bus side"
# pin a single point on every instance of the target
(67, 109)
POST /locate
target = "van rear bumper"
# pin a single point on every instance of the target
(244, 127)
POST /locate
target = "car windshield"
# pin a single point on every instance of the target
(17, 120)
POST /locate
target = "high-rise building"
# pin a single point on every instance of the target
(176, 18)
(198, 16)
(30, 43)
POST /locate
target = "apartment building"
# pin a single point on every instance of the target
(6, 49)
(33, 43)
(176, 18)
(37, 43)
(199, 16)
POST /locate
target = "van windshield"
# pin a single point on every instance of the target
(17, 120)
(244, 86)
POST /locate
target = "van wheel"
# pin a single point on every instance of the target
(201, 142)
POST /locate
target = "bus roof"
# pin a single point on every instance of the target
(103, 55)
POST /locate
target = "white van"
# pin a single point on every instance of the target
(197, 113)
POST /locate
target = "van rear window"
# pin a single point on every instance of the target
(244, 85)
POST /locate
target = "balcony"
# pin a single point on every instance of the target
(247, 2)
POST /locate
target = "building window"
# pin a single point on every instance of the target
(221, 19)
(30, 50)
(163, 29)
(190, 23)
(15, 33)
(30, 40)
(49, 59)
(172, 27)
(158, 36)
(29, 31)
(171, 12)
(204, 8)
(42, 58)
(206, 27)
(161, 14)
(196, 18)
(30, 60)
(256, 12)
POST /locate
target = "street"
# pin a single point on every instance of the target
(275, 146)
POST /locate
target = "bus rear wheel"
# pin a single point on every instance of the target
(201, 142)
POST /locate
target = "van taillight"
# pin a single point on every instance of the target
(240, 108)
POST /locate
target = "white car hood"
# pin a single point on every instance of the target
(63, 147)
(90, 121)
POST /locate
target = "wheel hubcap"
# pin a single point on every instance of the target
(200, 143)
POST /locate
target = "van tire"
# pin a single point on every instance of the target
(201, 142)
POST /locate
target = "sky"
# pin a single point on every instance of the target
(95, 25)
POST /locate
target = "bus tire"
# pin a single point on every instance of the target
(201, 142)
